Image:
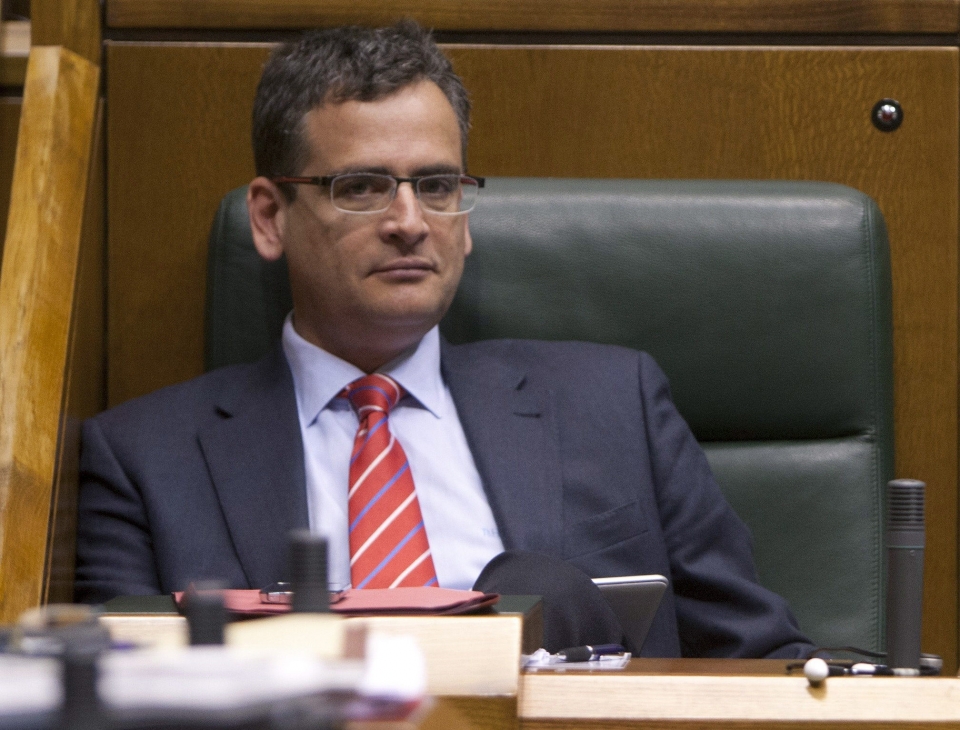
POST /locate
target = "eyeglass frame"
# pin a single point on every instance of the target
(327, 180)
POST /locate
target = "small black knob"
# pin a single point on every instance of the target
(206, 613)
(308, 573)
(887, 115)
(82, 647)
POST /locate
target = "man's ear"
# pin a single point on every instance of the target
(268, 217)
(467, 240)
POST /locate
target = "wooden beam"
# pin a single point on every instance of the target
(85, 388)
(73, 24)
(619, 16)
(37, 287)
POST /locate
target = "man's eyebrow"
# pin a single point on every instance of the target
(359, 170)
(441, 169)
(438, 169)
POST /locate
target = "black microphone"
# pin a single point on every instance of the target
(906, 536)
(308, 573)
(206, 613)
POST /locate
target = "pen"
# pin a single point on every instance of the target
(880, 670)
(589, 653)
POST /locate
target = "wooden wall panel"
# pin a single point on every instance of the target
(651, 16)
(178, 139)
(73, 24)
(9, 121)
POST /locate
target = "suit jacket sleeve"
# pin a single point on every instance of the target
(721, 608)
(199, 481)
(114, 546)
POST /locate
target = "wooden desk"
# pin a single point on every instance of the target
(677, 694)
(682, 694)
(688, 693)
(476, 655)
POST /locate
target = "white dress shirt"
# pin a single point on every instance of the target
(460, 526)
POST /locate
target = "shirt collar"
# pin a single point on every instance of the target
(319, 376)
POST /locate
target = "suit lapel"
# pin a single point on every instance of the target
(509, 423)
(255, 457)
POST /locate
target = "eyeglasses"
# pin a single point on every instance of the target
(367, 192)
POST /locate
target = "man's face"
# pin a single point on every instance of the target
(389, 275)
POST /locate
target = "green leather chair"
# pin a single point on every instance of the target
(766, 303)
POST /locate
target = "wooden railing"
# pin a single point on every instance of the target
(51, 325)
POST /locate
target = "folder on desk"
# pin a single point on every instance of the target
(368, 601)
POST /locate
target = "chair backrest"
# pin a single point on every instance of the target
(766, 303)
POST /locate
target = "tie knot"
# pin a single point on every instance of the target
(376, 392)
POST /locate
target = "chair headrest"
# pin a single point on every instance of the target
(766, 303)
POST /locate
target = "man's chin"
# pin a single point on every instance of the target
(409, 320)
(410, 304)
(412, 317)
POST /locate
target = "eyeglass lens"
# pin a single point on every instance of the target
(370, 193)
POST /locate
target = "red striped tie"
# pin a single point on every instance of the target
(388, 541)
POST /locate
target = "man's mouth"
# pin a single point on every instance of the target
(401, 266)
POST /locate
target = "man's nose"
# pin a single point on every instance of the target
(405, 216)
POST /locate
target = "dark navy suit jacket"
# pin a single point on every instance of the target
(581, 452)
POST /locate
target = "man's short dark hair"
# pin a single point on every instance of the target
(337, 65)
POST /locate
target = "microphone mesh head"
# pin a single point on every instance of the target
(905, 504)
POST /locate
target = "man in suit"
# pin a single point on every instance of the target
(517, 466)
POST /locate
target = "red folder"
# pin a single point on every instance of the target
(367, 602)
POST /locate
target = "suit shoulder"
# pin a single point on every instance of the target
(186, 401)
(557, 354)
(567, 364)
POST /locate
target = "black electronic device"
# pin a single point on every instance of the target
(634, 599)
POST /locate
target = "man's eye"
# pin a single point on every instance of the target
(358, 187)
(440, 185)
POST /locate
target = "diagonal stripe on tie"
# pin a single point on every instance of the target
(364, 469)
(390, 556)
(378, 522)
(388, 541)
(366, 437)
(369, 505)
(392, 505)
